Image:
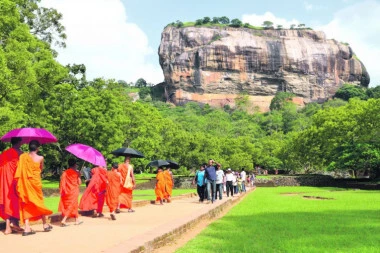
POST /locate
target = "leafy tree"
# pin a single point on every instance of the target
(215, 20)
(292, 26)
(246, 25)
(279, 27)
(280, 99)
(144, 92)
(348, 91)
(198, 22)
(178, 23)
(373, 92)
(206, 20)
(268, 24)
(140, 83)
(224, 20)
(236, 23)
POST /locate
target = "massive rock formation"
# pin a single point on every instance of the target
(216, 65)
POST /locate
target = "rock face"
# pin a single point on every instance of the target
(216, 65)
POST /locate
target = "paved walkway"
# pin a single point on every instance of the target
(142, 230)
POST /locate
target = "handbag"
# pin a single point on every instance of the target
(128, 184)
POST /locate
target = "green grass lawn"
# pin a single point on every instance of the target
(52, 202)
(280, 219)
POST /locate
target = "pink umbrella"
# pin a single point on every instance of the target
(27, 134)
(87, 153)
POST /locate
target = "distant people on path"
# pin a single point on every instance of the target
(229, 183)
(69, 191)
(128, 185)
(94, 195)
(210, 173)
(199, 179)
(29, 189)
(219, 182)
(160, 186)
(252, 180)
(239, 183)
(234, 182)
(9, 201)
(113, 189)
(169, 183)
(243, 176)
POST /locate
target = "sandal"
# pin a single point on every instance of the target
(117, 210)
(31, 232)
(113, 216)
(48, 228)
(131, 211)
(64, 225)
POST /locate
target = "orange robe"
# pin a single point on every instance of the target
(113, 189)
(9, 202)
(160, 186)
(69, 190)
(125, 197)
(93, 197)
(168, 184)
(29, 188)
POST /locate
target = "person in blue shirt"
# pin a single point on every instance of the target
(200, 180)
(210, 173)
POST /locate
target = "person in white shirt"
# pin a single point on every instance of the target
(229, 179)
(243, 176)
(219, 181)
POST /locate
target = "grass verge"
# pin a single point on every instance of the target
(281, 219)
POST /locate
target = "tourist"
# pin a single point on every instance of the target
(219, 182)
(210, 174)
(229, 182)
(234, 182)
(199, 179)
(9, 201)
(69, 190)
(243, 176)
(29, 189)
(113, 189)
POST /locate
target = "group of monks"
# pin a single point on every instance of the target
(164, 185)
(21, 196)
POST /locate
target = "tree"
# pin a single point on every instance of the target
(373, 92)
(206, 20)
(268, 24)
(280, 99)
(179, 23)
(236, 23)
(140, 83)
(215, 20)
(348, 91)
(301, 26)
(292, 26)
(279, 27)
(224, 20)
(198, 22)
(246, 25)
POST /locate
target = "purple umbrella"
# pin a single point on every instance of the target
(27, 134)
(87, 153)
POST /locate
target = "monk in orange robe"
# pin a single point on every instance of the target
(160, 186)
(93, 197)
(9, 202)
(169, 182)
(69, 190)
(113, 189)
(29, 188)
(125, 197)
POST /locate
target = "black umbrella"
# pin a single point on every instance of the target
(173, 164)
(127, 152)
(157, 163)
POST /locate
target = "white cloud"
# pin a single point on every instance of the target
(359, 25)
(258, 20)
(100, 37)
(308, 6)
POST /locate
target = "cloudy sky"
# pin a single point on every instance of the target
(119, 39)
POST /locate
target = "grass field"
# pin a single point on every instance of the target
(296, 219)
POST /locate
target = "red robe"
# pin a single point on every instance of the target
(29, 189)
(93, 197)
(113, 189)
(9, 202)
(160, 186)
(125, 197)
(69, 190)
